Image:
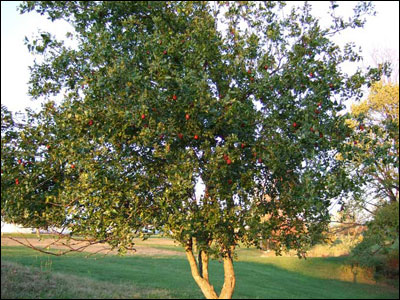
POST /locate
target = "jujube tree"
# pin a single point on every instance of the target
(157, 98)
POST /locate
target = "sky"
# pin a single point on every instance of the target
(381, 31)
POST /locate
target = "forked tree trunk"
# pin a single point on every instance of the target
(202, 279)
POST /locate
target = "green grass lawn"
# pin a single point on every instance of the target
(169, 276)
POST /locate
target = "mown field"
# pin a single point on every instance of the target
(30, 274)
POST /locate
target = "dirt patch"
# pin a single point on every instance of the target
(53, 244)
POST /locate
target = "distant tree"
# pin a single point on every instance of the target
(375, 141)
(376, 163)
(157, 99)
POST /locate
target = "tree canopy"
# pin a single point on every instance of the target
(159, 97)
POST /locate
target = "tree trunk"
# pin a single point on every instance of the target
(205, 286)
(229, 277)
(202, 278)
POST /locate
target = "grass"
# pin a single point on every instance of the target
(21, 282)
(169, 277)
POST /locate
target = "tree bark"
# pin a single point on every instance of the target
(229, 277)
(205, 286)
(201, 276)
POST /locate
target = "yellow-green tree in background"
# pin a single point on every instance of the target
(375, 160)
(376, 140)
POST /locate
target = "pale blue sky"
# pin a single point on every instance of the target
(381, 31)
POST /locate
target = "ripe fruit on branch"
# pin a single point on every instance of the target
(242, 145)
(19, 161)
(143, 116)
(196, 137)
(294, 124)
(16, 181)
(230, 181)
(228, 161)
(187, 117)
(174, 97)
(90, 123)
(265, 67)
(180, 135)
(72, 166)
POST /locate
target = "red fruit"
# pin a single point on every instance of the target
(19, 161)
(165, 52)
(143, 116)
(180, 135)
(147, 52)
(312, 129)
(228, 161)
(311, 74)
(362, 127)
(260, 160)
(294, 124)
(196, 137)
(16, 181)
(242, 145)
(265, 67)
(174, 97)
(321, 135)
(249, 71)
(226, 157)
(187, 117)
(230, 181)
(48, 146)
(90, 122)
(72, 166)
